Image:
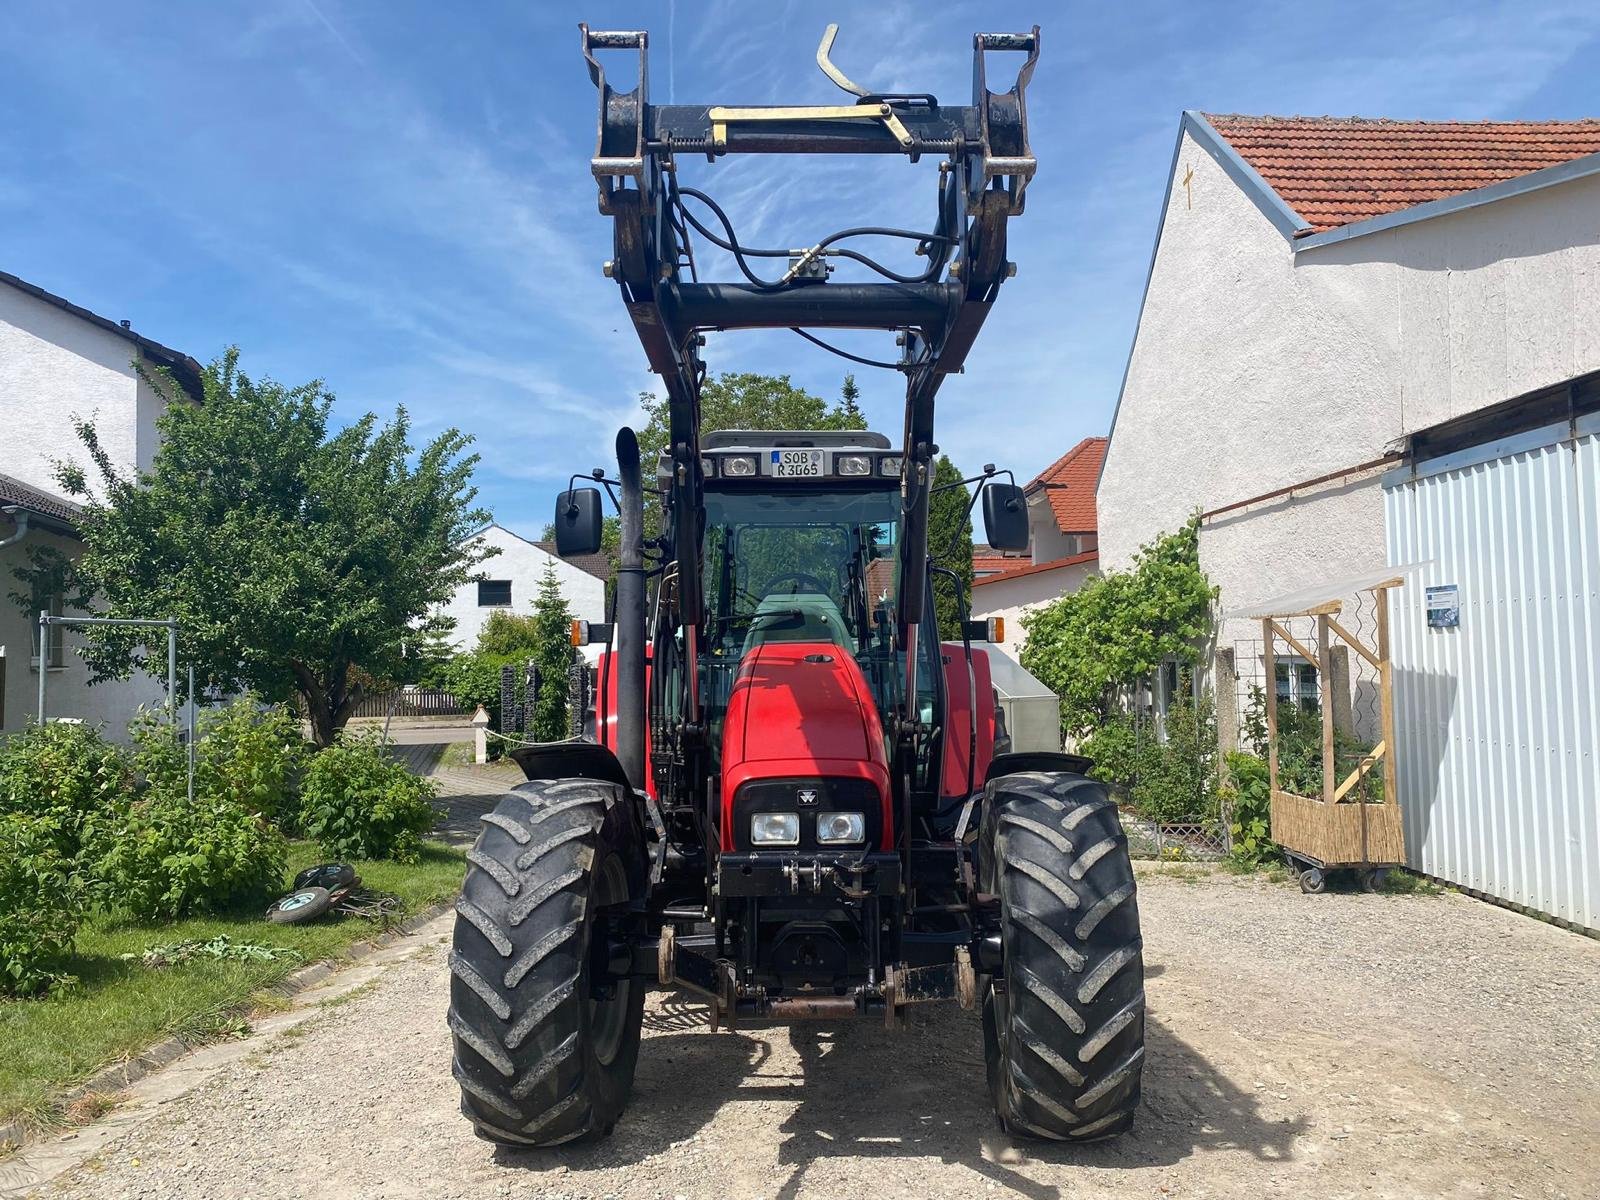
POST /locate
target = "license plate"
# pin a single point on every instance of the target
(794, 464)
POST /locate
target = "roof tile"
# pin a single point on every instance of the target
(1070, 483)
(1335, 170)
(46, 504)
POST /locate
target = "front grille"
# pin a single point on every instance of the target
(784, 795)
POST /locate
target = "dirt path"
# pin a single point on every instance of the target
(1334, 1046)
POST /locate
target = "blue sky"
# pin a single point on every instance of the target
(394, 195)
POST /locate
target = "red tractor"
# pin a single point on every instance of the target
(792, 800)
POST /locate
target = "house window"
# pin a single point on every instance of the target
(494, 593)
(47, 599)
(1297, 683)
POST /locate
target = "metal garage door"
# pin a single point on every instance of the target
(1497, 716)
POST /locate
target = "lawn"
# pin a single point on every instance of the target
(119, 1007)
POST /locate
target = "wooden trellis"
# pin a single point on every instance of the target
(1340, 827)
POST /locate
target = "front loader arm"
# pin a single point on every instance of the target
(983, 176)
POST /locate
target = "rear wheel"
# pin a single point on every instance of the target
(1064, 1022)
(546, 1037)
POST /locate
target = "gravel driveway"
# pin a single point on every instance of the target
(1331, 1046)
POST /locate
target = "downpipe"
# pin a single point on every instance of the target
(630, 699)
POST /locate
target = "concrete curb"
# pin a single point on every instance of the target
(119, 1076)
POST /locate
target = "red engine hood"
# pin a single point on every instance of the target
(801, 709)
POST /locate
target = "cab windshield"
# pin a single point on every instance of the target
(802, 566)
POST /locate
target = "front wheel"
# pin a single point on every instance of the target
(546, 1036)
(1064, 1021)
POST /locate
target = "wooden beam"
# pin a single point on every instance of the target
(1325, 682)
(1299, 646)
(1391, 791)
(1352, 641)
(1365, 765)
(1316, 610)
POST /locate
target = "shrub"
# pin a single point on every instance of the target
(1120, 749)
(1250, 809)
(1167, 780)
(252, 757)
(1180, 778)
(357, 802)
(65, 774)
(168, 857)
(474, 679)
(165, 856)
(40, 902)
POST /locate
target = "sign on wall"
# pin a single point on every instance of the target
(1444, 606)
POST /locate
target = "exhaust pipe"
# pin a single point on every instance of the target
(630, 700)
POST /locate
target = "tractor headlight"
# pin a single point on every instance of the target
(889, 466)
(853, 464)
(840, 829)
(775, 829)
(738, 466)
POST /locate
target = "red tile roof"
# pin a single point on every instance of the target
(1054, 564)
(1070, 483)
(990, 563)
(1335, 170)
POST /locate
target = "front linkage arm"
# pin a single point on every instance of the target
(987, 164)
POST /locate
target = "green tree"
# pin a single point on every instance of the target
(508, 635)
(949, 543)
(552, 621)
(1091, 645)
(739, 400)
(297, 558)
(850, 404)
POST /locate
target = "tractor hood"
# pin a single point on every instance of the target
(801, 710)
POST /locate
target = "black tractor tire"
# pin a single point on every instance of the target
(543, 1056)
(1064, 1021)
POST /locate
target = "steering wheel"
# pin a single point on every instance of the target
(816, 585)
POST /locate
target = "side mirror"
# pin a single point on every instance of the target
(578, 522)
(1005, 516)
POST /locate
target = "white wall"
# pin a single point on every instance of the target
(68, 691)
(523, 564)
(1010, 598)
(1255, 368)
(54, 366)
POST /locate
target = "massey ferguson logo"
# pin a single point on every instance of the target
(807, 796)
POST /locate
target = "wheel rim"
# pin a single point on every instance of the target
(608, 1017)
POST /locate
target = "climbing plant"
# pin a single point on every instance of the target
(1092, 646)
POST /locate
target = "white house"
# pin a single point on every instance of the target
(1063, 545)
(510, 581)
(59, 362)
(1370, 344)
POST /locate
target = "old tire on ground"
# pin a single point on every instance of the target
(1064, 1023)
(542, 1054)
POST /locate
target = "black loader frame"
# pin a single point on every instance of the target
(603, 873)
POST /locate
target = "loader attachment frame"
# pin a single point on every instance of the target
(986, 165)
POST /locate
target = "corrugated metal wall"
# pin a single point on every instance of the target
(1498, 720)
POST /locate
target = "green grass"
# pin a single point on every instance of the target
(117, 1008)
(458, 754)
(1405, 883)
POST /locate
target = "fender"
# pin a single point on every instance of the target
(959, 689)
